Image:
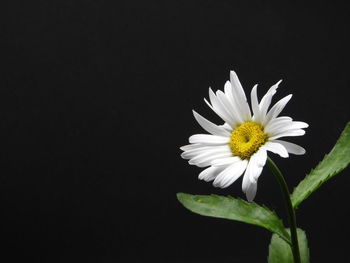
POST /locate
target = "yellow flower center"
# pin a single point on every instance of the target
(246, 139)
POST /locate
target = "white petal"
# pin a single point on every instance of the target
(189, 147)
(227, 127)
(218, 112)
(251, 175)
(292, 147)
(277, 120)
(257, 162)
(293, 126)
(230, 174)
(277, 124)
(255, 104)
(205, 159)
(213, 149)
(272, 91)
(266, 100)
(210, 173)
(209, 126)
(260, 157)
(254, 169)
(236, 85)
(197, 146)
(246, 184)
(251, 191)
(208, 139)
(207, 152)
(246, 180)
(277, 108)
(284, 127)
(299, 125)
(239, 96)
(221, 102)
(276, 148)
(218, 108)
(230, 97)
(189, 154)
(289, 133)
(230, 108)
(225, 161)
(228, 93)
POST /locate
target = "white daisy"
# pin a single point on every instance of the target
(240, 145)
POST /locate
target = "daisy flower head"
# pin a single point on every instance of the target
(239, 146)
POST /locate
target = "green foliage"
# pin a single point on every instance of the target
(280, 251)
(332, 164)
(234, 209)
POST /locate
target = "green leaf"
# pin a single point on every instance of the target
(234, 209)
(280, 251)
(332, 164)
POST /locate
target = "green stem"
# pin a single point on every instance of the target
(290, 209)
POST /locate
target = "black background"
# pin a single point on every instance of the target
(96, 98)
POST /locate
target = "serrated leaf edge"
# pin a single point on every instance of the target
(285, 235)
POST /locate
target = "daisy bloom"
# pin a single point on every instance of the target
(240, 145)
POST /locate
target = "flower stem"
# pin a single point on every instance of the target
(290, 209)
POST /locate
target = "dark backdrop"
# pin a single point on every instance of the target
(96, 98)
